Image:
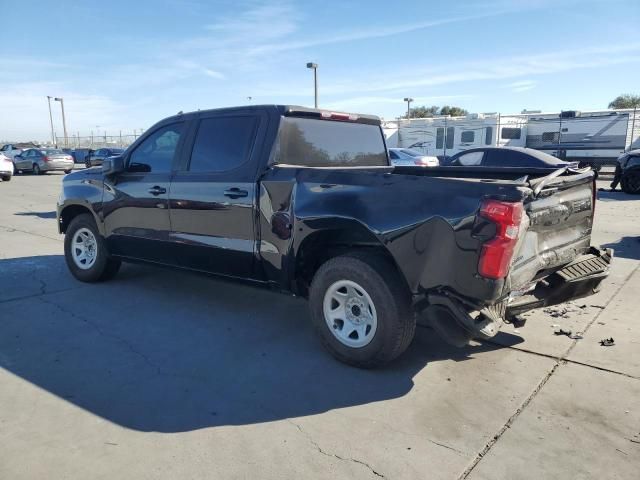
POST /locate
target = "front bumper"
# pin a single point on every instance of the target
(580, 278)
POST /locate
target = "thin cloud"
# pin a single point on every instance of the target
(212, 73)
(522, 86)
(368, 33)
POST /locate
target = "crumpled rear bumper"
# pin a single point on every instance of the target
(580, 278)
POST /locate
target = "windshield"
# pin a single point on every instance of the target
(325, 143)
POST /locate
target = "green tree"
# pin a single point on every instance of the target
(424, 112)
(428, 112)
(625, 100)
(453, 111)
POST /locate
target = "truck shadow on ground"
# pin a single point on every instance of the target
(617, 196)
(626, 247)
(51, 214)
(165, 351)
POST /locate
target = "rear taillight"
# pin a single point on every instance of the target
(45, 159)
(497, 253)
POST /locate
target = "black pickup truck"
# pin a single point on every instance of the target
(305, 201)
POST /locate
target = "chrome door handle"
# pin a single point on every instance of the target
(156, 190)
(235, 193)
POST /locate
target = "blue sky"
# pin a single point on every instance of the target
(122, 65)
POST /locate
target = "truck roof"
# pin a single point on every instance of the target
(293, 111)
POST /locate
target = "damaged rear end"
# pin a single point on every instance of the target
(535, 253)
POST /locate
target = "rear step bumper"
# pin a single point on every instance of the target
(449, 315)
(580, 278)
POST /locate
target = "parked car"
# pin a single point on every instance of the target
(95, 157)
(306, 201)
(12, 149)
(408, 157)
(513, 157)
(628, 171)
(42, 160)
(6, 167)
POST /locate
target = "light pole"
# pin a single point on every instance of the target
(64, 121)
(53, 135)
(314, 66)
(408, 100)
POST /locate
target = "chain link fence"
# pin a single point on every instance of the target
(96, 141)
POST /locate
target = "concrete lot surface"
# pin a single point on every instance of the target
(163, 374)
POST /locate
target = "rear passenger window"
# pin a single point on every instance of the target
(223, 143)
(471, 158)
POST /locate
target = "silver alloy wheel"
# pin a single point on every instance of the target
(84, 248)
(350, 313)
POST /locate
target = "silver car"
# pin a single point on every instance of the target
(41, 160)
(407, 157)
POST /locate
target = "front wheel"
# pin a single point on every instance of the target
(6, 178)
(87, 163)
(361, 309)
(67, 172)
(85, 251)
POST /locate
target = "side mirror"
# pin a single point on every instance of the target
(112, 165)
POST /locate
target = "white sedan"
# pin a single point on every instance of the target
(406, 157)
(6, 168)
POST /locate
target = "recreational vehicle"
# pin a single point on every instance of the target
(595, 138)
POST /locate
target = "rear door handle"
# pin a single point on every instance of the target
(157, 190)
(235, 193)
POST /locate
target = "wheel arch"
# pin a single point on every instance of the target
(69, 212)
(322, 245)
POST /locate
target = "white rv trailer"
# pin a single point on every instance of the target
(597, 137)
(446, 136)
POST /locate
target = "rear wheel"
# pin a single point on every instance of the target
(6, 178)
(67, 172)
(630, 181)
(87, 163)
(361, 309)
(36, 169)
(86, 253)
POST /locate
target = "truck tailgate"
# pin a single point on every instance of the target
(557, 227)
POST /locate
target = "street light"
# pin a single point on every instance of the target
(53, 135)
(408, 100)
(314, 66)
(64, 121)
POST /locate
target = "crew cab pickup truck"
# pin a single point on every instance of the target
(306, 201)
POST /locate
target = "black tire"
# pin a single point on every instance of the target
(6, 178)
(67, 172)
(36, 169)
(630, 181)
(105, 267)
(396, 322)
(87, 163)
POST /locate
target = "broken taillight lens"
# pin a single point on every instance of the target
(497, 253)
